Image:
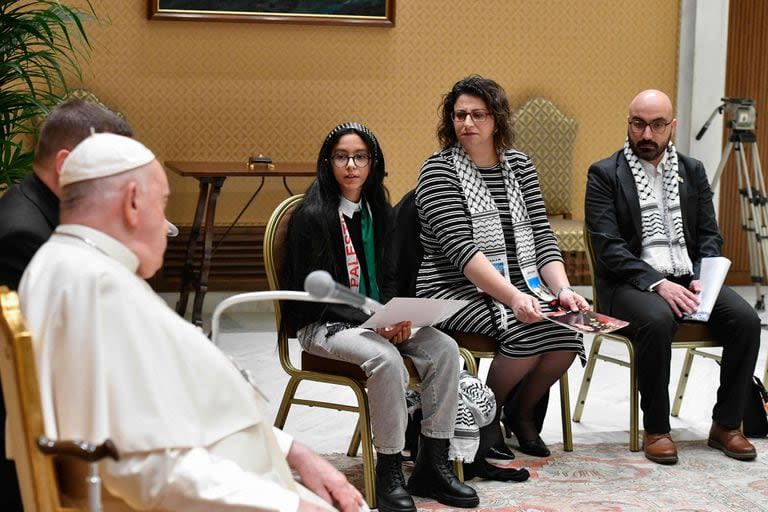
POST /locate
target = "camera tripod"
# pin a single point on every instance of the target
(750, 185)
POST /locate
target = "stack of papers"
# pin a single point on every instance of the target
(711, 278)
(421, 312)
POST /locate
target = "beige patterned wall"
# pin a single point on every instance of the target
(224, 91)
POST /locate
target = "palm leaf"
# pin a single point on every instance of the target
(41, 43)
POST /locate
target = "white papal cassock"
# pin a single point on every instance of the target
(114, 361)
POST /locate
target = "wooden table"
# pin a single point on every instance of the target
(211, 176)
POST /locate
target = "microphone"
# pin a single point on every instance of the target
(320, 285)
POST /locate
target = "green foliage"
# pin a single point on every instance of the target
(40, 43)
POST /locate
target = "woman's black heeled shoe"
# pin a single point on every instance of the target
(535, 447)
(499, 453)
(507, 422)
(493, 445)
(480, 468)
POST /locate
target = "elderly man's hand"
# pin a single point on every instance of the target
(320, 477)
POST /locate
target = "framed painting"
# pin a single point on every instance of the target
(332, 12)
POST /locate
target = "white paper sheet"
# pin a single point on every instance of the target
(421, 312)
(711, 277)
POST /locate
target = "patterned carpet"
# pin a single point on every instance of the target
(608, 477)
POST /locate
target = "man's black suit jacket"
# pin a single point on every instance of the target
(29, 212)
(612, 212)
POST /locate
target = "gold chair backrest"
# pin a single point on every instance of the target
(548, 136)
(591, 262)
(85, 94)
(275, 240)
(37, 478)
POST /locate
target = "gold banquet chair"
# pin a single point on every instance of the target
(691, 336)
(321, 369)
(49, 481)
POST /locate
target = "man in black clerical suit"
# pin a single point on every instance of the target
(29, 212)
(651, 220)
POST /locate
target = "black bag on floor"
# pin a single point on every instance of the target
(756, 410)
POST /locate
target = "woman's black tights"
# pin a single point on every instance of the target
(535, 374)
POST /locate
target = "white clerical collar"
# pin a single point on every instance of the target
(348, 208)
(101, 242)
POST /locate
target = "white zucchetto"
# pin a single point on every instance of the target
(103, 154)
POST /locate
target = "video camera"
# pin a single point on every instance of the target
(741, 111)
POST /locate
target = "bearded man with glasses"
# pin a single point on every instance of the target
(651, 220)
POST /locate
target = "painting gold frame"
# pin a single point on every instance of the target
(379, 13)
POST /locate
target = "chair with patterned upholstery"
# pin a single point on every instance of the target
(85, 94)
(52, 474)
(691, 336)
(548, 136)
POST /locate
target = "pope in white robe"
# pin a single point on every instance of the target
(114, 361)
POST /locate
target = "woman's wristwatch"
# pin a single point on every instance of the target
(561, 290)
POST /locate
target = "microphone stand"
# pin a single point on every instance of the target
(260, 296)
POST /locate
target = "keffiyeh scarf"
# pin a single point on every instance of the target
(487, 230)
(662, 228)
(476, 408)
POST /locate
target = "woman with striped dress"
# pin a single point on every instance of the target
(487, 239)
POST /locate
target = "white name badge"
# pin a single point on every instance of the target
(537, 287)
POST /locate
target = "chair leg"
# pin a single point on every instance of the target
(458, 469)
(369, 468)
(765, 373)
(565, 412)
(470, 362)
(587, 379)
(683, 381)
(354, 443)
(285, 404)
(634, 402)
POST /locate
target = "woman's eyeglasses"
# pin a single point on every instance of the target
(477, 116)
(359, 159)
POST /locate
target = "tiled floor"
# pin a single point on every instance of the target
(248, 333)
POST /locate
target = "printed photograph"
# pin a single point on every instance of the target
(586, 321)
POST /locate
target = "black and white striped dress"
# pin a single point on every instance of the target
(446, 235)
